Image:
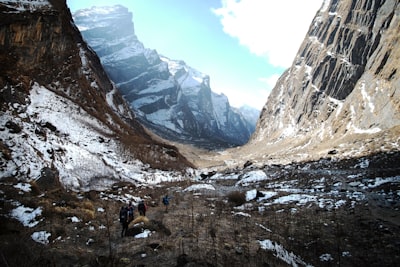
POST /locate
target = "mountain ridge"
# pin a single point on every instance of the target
(170, 97)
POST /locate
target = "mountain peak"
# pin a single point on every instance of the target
(95, 17)
(170, 98)
(96, 11)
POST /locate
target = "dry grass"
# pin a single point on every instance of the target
(86, 214)
(202, 225)
(35, 188)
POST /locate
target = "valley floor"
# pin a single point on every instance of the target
(322, 213)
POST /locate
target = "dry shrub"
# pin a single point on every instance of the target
(45, 203)
(87, 214)
(85, 209)
(88, 205)
(237, 198)
(35, 188)
(82, 209)
(84, 214)
(47, 206)
(62, 210)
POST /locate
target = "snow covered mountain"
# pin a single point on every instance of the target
(171, 98)
(60, 113)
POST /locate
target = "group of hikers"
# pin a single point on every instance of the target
(126, 213)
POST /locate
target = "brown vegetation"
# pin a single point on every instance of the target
(208, 228)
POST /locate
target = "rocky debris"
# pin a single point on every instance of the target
(13, 127)
(48, 180)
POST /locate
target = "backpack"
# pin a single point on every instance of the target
(123, 214)
(130, 212)
(165, 201)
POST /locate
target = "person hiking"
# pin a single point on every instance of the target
(123, 219)
(142, 207)
(165, 201)
(130, 210)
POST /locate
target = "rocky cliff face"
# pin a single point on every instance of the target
(59, 110)
(342, 92)
(170, 97)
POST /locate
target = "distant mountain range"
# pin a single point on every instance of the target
(169, 97)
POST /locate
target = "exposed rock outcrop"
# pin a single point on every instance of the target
(343, 89)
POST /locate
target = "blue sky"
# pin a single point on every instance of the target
(244, 45)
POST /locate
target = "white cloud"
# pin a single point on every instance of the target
(256, 97)
(270, 81)
(272, 29)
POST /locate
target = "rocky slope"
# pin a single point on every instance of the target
(342, 94)
(60, 113)
(170, 97)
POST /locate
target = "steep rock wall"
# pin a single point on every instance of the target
(343, 82)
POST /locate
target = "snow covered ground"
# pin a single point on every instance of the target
(56, 132)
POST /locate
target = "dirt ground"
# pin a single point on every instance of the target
(205, 227)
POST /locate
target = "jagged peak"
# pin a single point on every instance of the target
(101, 10)
(27, 5)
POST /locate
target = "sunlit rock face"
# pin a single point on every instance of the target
(171, 98)
(343, 85)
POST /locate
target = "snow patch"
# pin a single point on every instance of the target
(197, 187)
(366, 97)
(84, 160)
(74, 219)
(23, 187)
(250, 195)
(252, 177)
(281, 253)
(326, 257)
(41, 237)
(27, 216)
(146, 233)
